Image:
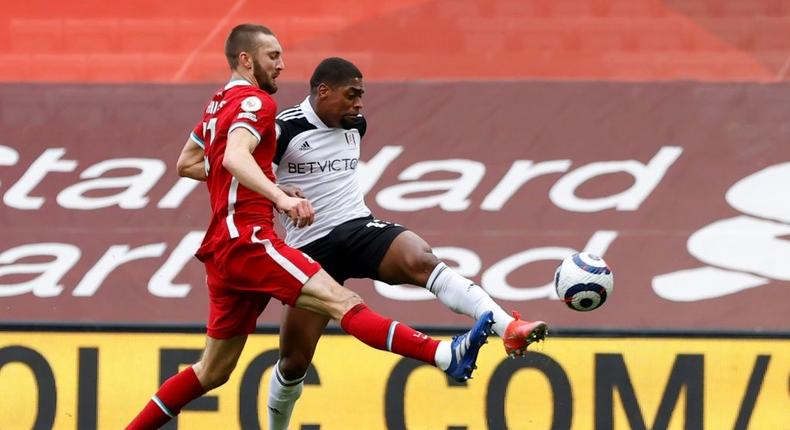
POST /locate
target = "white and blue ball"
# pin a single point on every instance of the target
(583, 281)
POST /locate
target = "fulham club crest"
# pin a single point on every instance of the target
(351, 139)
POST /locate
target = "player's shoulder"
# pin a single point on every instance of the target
(294, 120)
(294, 113)
(252, 98)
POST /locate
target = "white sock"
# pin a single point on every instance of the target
(444, 354)
(465, 297)
(282, 398)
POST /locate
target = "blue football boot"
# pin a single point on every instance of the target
(465, 347)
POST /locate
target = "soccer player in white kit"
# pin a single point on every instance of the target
(318, 146)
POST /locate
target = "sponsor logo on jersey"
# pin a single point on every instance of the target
(305, 146)
(251, 104)
(336, 165)
(248, 115)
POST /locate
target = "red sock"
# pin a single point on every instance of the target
(386, 334)
(174, 394)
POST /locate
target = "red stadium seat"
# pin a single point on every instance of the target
(403, 39)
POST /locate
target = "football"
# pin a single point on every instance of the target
(583, 281)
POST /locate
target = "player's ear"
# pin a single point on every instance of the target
(323, 90)
(245, 60)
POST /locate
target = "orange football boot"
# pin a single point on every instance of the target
(519, 334)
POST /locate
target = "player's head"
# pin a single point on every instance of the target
(253, 51)
(336, 89)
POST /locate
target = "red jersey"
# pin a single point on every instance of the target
(238, 105)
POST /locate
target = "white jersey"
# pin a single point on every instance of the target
(322, 161)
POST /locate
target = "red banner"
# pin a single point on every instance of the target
(682, 187)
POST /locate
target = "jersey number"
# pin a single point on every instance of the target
(209, 133)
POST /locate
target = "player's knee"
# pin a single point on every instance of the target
(293, 366)
(212, 375)
(217, 377)
(420, 265)
(428, 261)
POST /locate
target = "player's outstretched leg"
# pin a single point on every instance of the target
(465, 297)
(519, 334)
(409, 260)
(466, 346)
(323, 295)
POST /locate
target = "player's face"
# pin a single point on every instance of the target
(343, 103)
(267, 63)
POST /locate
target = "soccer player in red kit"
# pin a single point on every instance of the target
(246, 263)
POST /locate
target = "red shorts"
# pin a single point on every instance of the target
(244, 274)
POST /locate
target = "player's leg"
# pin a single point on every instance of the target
(409, 260)
(218, 360)
(214, 368)
(324, 295)
(299, 334)
(232, 317)
(293, 278)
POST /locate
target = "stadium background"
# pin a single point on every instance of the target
(508, 133)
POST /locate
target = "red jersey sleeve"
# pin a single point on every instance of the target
(255, 113)
(197, 135)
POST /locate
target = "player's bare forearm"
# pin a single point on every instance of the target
(191, 162)
(243, 167)
(196, 171)
(239, 162)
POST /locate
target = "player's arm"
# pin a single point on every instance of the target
(191, 163)
(291, 190)
(239, 162)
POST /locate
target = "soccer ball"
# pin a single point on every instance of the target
(583, 281)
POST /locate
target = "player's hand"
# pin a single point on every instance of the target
(291, 190)
(298, 209)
